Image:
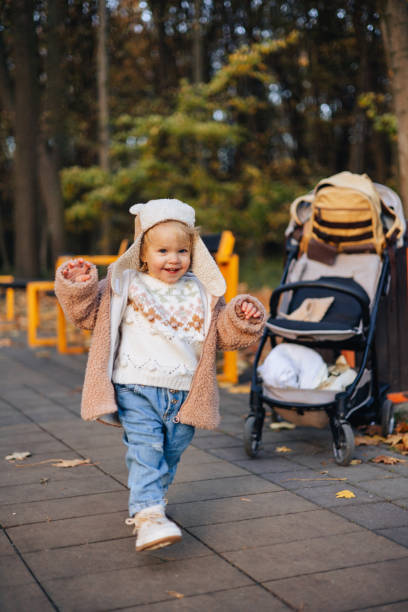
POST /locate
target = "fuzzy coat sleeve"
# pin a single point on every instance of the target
(79, 300)
(233, 330)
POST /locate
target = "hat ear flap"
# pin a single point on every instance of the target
(138, 227)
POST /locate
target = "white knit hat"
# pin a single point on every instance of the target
(159, 211)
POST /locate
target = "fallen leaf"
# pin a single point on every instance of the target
(43, 354)
(355, 462)
(18, 456)
(309, 479)
(282, 425)
(373, 430)
(394, 439)
(402, 427)
(283, 449)
(368, 440)
(345, 493)
(175, 594)
(239, 389)
(387, 460)
(44, 481)
(68, 463)
(245, 499)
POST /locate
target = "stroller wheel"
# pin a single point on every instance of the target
(387, 419)
(343, 450)
(251, 442)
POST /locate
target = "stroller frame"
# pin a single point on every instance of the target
(348, 404)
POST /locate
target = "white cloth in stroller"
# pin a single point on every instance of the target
(293, 366)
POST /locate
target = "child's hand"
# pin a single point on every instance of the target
(250, 310)
(77, 271)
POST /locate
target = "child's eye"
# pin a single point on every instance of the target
(183, 251)
(162, 250)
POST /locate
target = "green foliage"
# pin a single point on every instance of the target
(375, 106)
(199, 152)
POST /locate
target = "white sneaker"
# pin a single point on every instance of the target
(153, 528)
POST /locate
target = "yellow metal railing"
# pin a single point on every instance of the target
(228, 263)
(10, 311)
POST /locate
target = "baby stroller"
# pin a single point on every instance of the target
(339, 248)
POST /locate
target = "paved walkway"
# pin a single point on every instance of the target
(265, 534)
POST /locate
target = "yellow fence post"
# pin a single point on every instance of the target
(228, 262)
(10, 312)
(33, 315)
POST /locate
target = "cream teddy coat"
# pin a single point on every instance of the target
(88, 305)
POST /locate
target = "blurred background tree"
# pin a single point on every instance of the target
(234, 106)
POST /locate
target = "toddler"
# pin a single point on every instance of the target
(158, 319)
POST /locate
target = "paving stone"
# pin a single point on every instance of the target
(14, 515)
(313, 555)
(390, 488)
(356, 588)
(401, 606)
(55, 489)
(219, 441)
(376, 515)
(254, 532)
(13, 572)
(30, 472)
(5, 546)
(296, 447)
(244, 599)
(216, 469)
(263, 464)
(17, 599)
(142, 585)
(403, 503)
(299, 479)
(219, 487)
(35, 443)
(232, 453)
(19, 429)
(326, 495)
(69, 532)
(359, 472)
(398, 534)
(196, 456)
(235, 508)
(106, 556)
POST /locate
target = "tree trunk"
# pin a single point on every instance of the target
(395, 34)
(198, 67)
(26, 129)
(52, 141)
(102, 70)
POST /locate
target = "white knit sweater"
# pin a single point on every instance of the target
(161, 333)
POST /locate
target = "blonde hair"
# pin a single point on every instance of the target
(190, 232)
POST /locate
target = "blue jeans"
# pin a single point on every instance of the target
(154, 438)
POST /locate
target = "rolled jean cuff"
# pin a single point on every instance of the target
(148, 504)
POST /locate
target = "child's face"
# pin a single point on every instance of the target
(167, 252)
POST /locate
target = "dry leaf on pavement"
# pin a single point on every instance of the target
(283, 449)
(175, 594)
(355, 462)
(239, 389)
(402, 427)
(387, 460)
(18, 456)
(68, 463)
(345, 493)
(282, 425)
(368, 440)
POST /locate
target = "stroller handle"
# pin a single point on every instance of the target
(362, 298)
